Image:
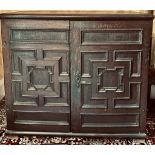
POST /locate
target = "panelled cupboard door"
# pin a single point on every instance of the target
(36, 59)
(109, 61)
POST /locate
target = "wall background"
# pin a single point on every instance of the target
(72, 12)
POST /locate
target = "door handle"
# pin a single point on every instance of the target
(77, 78)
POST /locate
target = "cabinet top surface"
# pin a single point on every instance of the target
(59, 14)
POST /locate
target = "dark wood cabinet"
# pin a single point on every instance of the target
(76, 74)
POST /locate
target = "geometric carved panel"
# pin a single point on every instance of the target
(41, 75)
(91, 74)
(30, 82)
(131, 98)
(111, 81)
(133, 57)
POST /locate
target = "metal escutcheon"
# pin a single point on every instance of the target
(77, 78)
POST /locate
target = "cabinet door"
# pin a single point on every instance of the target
(37, 82)
(109, 76)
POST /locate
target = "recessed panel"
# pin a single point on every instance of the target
(112, 37)
(16, 62)
(89, 100)
(132, 99)
(110, 120)
(40, 78)
(28, 35)
(41, 116)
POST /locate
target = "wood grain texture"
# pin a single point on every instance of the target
(75, 12)
(42, 12)
(83, 76)
(110, 73)
(40, 71)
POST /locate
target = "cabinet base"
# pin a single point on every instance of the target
(122, 135)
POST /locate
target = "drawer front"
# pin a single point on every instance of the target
(37, 69)
(109, 78)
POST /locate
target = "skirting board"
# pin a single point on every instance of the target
(123, 135)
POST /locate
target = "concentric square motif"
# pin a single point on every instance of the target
(37, 75)
(117, 73)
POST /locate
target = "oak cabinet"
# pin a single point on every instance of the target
(76, 75)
